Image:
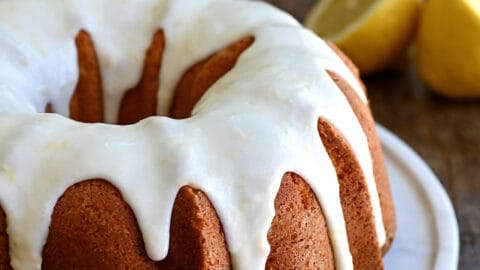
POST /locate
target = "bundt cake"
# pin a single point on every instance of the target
(183, 134)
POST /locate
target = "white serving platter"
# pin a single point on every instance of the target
(427, 231)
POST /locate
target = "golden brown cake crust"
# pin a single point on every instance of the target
(141, 101)
(355, 199)
(4, 255)
(86, 103)
(298, 235)
(367, 122)
(197, 240)
(380, 173)
(93, 228)
(198, 79)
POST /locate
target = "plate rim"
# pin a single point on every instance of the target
(442, 209)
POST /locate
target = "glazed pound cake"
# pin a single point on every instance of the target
(183, 134)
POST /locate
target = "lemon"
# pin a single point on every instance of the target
(448, 47)
(373, 33)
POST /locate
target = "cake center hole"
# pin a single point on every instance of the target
(87, 101)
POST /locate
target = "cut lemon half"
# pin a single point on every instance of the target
(373, 33)
(448, 47)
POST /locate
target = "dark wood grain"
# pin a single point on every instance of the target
(444, 132)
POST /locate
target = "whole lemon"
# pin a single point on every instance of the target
(448, 47)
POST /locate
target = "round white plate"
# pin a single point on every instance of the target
(427, 232)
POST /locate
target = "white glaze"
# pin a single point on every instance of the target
(253, 125)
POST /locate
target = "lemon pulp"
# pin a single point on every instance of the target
(338, 15)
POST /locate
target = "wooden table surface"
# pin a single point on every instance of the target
(445, 133)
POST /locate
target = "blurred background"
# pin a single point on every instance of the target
(444, 131)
